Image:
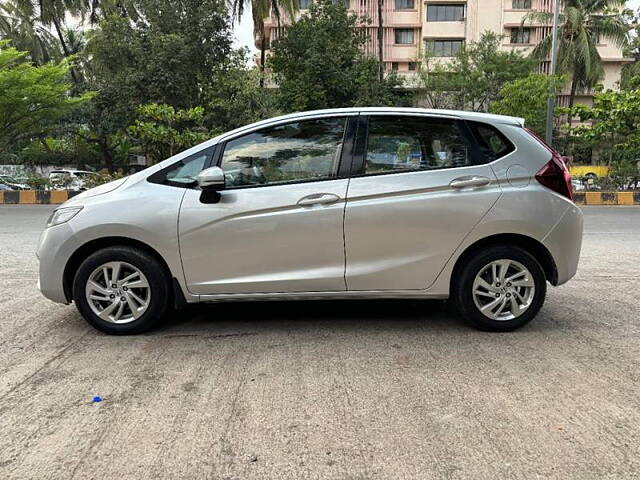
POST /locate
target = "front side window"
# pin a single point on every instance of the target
(520, 35)
(404, 144)
(444, 48)
(294, 152)
(185, 171)
(521, 4)
(445, 13)
(405, 4)
(404, 36)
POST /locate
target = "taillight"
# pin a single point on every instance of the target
(555, 174)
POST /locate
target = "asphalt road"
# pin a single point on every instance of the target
(354, 389)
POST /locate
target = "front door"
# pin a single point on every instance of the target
(278, 224)
(417, 191)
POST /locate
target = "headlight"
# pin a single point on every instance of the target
(62, 215)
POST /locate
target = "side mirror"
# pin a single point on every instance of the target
(211, 179)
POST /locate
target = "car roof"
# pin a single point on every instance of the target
(458, 114)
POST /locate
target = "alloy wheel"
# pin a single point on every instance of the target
(118, 292)
(503, 290)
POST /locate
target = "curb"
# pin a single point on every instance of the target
(35, 197)
(607, 198)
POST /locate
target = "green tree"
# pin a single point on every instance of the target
(582, 24)
(319, 63)
(163, 131)
(236, 98)
(481, 69)
(613, 125)
(527, 97)
(472, 80)
(165, 57)
(260, 9)
(32, 98)
(26, 33)
(630, 78)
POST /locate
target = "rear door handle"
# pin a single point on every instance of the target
(318, 199)
(470, 182)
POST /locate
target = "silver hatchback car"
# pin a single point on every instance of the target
(344, 203)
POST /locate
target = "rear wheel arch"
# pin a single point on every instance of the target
(83, 252)
(529, 244)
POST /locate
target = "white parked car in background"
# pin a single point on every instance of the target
(69, 179)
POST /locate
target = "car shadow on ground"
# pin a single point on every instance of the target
(316, 315)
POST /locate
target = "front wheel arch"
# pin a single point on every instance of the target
(83, 252)
(530, 245)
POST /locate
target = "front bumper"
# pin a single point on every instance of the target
(564, 241)
(54, 249)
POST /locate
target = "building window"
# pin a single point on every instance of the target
(413, 66)
(305, 4)
(520, 35)
(445, 13)
(405, 4)
(521, 5)
(394, 66)
(444, 48)
(404, 36)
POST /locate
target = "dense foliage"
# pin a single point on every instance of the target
(527, 98)
(319, 63)
(148, 78)
(32, 98)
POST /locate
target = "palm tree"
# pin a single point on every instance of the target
(27, 33)
(52, 13)
(260, 9)
(581, 24)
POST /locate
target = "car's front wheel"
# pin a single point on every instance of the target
(500, 289)
(122, 290)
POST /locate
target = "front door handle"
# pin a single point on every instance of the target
(318, 199)
(470, 182)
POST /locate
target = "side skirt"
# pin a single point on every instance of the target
(340, 295)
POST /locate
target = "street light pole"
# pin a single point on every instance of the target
(554, 60)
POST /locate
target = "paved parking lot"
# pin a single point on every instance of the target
(358, 390)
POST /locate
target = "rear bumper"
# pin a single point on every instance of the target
(564, 242)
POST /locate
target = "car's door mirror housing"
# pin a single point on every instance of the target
(211, 181)
(211, 178)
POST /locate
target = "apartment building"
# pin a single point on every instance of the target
(448, 24)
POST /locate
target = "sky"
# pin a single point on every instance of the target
(244, 30)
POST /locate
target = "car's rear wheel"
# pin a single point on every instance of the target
(122, 290)
(500, 289)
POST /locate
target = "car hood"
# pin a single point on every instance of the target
(94, 192)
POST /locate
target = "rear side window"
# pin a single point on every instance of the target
(404, 144)
(493, 144)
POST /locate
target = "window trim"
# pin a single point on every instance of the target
(345, 152)
(360, 151)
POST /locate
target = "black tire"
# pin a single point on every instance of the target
(462, 293)
(157, 277)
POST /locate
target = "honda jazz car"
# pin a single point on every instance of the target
(331, 204)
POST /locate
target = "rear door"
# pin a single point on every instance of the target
(419, 185)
